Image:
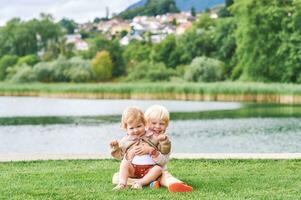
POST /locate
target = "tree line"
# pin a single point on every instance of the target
(252, 40)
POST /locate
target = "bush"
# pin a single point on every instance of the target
(23, 74)
(102, 66)
(29, 60)
(62, 70)
(150, 72)
(44, 72)
(6, 62)
(61, 67)
(203, 69)
(80, 70)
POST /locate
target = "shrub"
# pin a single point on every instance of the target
(28, 59)
(5, 62)
(203, 69)
(61, 67)
(150, 72)
(44, 72)
(23, 74)
(102, 66)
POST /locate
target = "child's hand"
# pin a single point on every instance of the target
(114, 144)
(142, 149)
(161, 137)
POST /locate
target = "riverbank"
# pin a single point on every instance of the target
(223, 91)
(211, 179)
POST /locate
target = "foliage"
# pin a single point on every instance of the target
(80, 70)
(44, 72)
(23, 74)
(224, 12)
(267, 36)
(196, 42)
(28, 59)
(5, 62)
(204, 69)
(136, 52)
(146, 71)
(204, 22)
(167, 52)
(100, 43)
(23, 38)
(224, 40)
(151, 8)
(68, 24)
(102, 66)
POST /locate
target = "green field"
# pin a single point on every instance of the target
(211, 179)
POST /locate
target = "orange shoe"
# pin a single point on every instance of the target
(179, 187)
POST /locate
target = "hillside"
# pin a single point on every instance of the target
(185, 5)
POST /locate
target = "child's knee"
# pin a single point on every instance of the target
(158, 168)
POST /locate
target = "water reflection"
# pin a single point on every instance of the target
(38, 106)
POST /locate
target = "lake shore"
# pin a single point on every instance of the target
(223, 91)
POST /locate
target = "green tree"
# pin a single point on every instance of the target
(23, 38)
(68, 24)
(224, 12)
(268, 38)
(225, 43)
(192, 11)
(136, 52)
(100, 43)
(102, 66)
(167, 52)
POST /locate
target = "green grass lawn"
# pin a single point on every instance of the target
(211, 179)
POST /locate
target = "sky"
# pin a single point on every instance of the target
(78, 10)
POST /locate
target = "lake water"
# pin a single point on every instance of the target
(196, 127)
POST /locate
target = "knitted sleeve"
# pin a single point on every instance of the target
(164, 146)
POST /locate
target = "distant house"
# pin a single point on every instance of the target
(182, 28)
(76, 39)
(86, 27)
(114, 26)
(213, 15)
(157, 28)
(126, 39)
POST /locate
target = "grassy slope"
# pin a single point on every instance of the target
(87, 179)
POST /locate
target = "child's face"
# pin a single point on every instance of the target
(135, 129)
(157, 125)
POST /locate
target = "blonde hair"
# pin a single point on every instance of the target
(132, 115)
(157, 112)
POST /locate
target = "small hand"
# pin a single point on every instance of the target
(114, 144)
(161, 137)
(142, 149)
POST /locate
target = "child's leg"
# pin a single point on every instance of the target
(126, 170)
(173, 184)
(152, 175)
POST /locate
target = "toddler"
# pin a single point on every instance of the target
(136, 149)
